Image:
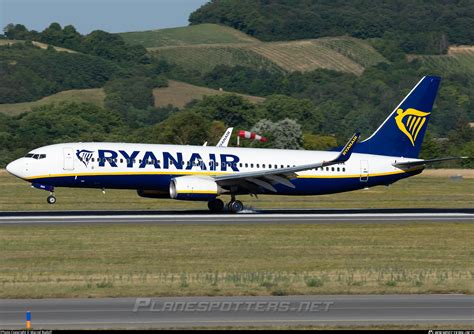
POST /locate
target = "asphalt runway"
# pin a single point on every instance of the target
(134, 313)
(373, 216)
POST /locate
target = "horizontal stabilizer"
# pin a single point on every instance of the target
(408, 164)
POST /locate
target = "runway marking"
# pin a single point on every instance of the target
(469, 320)
(246, 216)
(302, 312)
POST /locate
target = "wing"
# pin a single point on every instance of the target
(251, 181)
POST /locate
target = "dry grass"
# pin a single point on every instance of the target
(179, 94)
(94, 95)
(152, 260)
(417, 192)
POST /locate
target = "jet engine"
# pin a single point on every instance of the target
(194, 188)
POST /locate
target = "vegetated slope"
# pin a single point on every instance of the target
(197, 34)
(460, 59)
(38, 44)
(421, 27)
(94, 95)
(342, 54)
(204, 58)
(179, 94)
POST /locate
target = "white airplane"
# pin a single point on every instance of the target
(202, 173)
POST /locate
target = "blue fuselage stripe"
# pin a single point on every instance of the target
(303, 186)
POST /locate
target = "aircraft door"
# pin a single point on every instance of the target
(68, 154)
(364, 170)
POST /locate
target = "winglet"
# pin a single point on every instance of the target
(348, 149)
(224, 141)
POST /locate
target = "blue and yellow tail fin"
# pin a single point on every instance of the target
(403, 131)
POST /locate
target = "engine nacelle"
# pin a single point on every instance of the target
(194, 188)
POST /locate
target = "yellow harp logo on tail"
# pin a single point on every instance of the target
(410, 122)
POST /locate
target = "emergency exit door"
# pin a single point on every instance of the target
(68, 159)
(364, 171)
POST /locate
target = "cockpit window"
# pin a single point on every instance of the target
(35, 156)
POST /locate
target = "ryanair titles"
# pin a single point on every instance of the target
(165, 160)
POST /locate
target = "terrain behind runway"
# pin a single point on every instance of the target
(239, 311)
(247, 217)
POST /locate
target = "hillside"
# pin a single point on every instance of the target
(342, 54)
(460, 59)
(421, 27)
(95, 96)
(177, 94)
(197, 34)
(38, 44)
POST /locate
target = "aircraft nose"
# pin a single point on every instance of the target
(14, 168)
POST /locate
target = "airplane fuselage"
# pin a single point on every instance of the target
(151, 167)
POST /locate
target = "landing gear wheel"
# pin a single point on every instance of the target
(215, 205)
(51, 199)
(235, 206)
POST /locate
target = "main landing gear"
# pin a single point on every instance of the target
(51, 199)
(217, 205)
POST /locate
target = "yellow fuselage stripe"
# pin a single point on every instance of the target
(307, 176)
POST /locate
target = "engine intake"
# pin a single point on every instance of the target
(194, 188)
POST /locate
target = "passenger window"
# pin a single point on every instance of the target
(121, 161)
(240, 165)
(258, 165)
(338, 169)
(251, 165)
(246, 165)
(263, 166)
(343, 169)
(332, 169)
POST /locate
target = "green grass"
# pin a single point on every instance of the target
(164, 260)
(196, 34)
(339, 53)
(94, 95)
(43, 261)
(415, 192)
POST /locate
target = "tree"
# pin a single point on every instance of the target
(285, 134)
(183, 128)
(315, 142)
